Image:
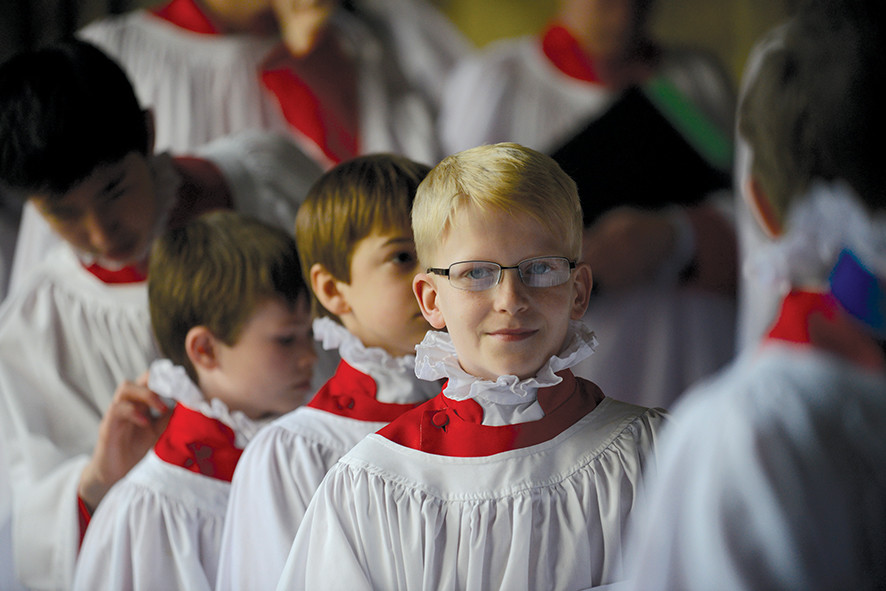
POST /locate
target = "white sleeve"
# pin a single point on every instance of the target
(272, 486)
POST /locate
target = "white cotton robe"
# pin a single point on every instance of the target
(285, 463)
(772, 477)
(549, 515)
(160, 526)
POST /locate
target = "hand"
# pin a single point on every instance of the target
(626, 247)
(303, 22)
(127, 431)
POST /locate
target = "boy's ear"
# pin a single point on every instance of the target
(426, 293)
(326, 288)
(200, 347)
(583, 282)
(761, 206)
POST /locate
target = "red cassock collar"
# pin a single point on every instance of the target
(446, 427)
(816, 319)
(351, 393)
(198, 443)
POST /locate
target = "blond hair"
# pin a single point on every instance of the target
(372, 193)
(504, 177)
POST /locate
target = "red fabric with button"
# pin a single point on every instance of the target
(197, 443)
(351, 393)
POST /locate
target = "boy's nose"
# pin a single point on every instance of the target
(100, 231)
(510, 293)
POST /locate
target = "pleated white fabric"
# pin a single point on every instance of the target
(203, 87)
(66, 341)
(285, 463)
(200, 87)
(512, 92)
(550, 516)
(158, 528)
(772, 476)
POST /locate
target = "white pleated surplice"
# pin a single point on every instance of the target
(200, 87)
(550, 516)
(158, 528)
(66, 341)
(773, 476)
(512, 92)
(285, 463)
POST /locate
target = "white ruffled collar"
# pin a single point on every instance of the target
(820, 225)
(173, 383)
(507, 400)
(394, 376)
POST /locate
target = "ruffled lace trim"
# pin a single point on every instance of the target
(172, 381)
(394, 376)
(436, 359)
(819, 226)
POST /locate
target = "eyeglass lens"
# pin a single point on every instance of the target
(537, 272)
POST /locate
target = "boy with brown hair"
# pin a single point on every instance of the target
(230, 312)
(357, 253)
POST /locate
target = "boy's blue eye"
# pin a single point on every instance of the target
(538, 268)
(286, 340)
(477, 273)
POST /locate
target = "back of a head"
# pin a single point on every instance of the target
(815, 107)
(503, 177)
(64, 109)
(352, 200)
(214, 271)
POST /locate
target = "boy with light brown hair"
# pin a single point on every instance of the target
(358, 255)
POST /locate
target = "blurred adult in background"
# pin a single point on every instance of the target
(646, 132)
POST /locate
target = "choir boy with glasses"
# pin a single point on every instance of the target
(518, 475)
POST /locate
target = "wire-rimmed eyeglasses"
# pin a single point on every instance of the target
(482, 275)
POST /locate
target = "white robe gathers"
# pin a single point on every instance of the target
(202, 86)
(772, 477)
(282, 467)
(522, 488)
(661, 338)
(160, 526)
(67, 340)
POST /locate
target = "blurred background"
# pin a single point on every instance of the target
(727, 28)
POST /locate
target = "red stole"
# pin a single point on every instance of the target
(446, 427)
(308, 112)
(351, 393)
(818, 320)
(198, 443)
(563, 50)
(187, 15)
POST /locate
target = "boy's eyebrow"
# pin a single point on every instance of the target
(398, 240)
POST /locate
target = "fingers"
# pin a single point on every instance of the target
(136, 403)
